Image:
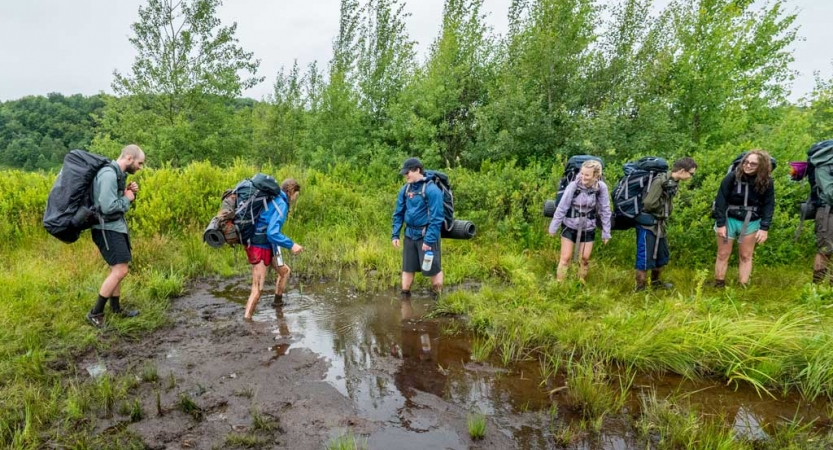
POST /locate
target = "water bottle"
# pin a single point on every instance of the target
(425, 342)
(427, 261)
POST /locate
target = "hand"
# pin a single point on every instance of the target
(130, 194)
(395, 243)
(296, 249)
(133, 186)
(721, 232)
(761, 235)
(425, 247)
(605, 241)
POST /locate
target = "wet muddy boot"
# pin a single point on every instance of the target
(641, 276)
(819, 276)
(656, 283)
(96, 320)
(115, 306)
(719, 284)
(405, 294)
(277, 301)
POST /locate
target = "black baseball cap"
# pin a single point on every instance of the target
(409, 165)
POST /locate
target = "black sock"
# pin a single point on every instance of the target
(99, 306)
(114, 303)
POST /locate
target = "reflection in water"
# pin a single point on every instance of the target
(383, 352)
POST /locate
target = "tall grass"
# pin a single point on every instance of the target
(773, 336)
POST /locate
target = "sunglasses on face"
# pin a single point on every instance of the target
(750, 164)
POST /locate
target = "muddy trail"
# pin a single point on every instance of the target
(330, 361)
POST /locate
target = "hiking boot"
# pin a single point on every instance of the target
(640, 281)
(659, 284)
(819, 276)
(405, 295)
(126, 313)
(718, 284)
(277, 301)
(96, 320)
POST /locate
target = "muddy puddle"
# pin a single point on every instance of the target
(383, 351)
(331, 361)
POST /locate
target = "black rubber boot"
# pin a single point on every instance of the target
(656, 283)
(641, 277)
(819, 276)
(719, 284)
(277, 301)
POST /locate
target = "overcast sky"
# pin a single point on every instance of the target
(73, 46)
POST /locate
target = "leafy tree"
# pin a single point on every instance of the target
(542, 84)
(178, 99)
(335, 129)
(36, 132)
(730, 65)
(436, 115)
(820, 105)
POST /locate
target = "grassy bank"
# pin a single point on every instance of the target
(774, 336)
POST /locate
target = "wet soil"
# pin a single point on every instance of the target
(331, 361)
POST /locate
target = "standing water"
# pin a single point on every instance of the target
(413, 373)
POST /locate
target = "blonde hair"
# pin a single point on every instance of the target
(596, 167)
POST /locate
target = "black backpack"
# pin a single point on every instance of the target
(631, 188)
(743, 185)
(571, 170)
(236, 221)
(441, 181)
(69, 206)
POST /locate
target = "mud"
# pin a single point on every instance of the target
(331, 361)
(283, 366)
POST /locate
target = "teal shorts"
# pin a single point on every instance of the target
(733, 227)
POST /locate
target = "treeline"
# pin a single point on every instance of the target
(570, 76)
(36, 132)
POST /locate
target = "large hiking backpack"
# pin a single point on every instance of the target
(631, 188)
(451, 228)
(69, 206)
(819, 157)
(571, 170)
(441, 181)
(742, 186)
(236, 221)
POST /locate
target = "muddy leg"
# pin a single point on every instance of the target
(280, 284)
(258, 277)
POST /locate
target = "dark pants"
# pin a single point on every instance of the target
(412, 254)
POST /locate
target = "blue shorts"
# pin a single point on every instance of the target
(645, 243)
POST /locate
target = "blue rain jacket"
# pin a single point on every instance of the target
(422, 214)
(271, 221)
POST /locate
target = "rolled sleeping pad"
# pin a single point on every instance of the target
(213, 236)
(460, 229)
(549, 208)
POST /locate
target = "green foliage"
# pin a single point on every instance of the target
(178, 100)
(36, 132)
(477, 426)
(347, 442)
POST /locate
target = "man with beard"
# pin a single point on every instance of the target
(112, 198)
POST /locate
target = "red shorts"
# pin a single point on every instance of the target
(257, 254)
